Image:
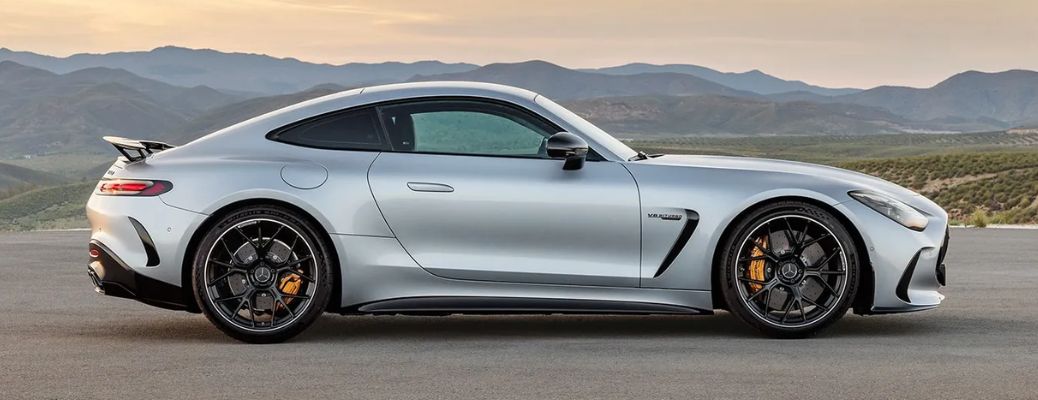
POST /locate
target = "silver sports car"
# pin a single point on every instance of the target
(451, 197)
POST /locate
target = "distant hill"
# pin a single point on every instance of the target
(222, 117)
(565, 84)
(262, 74)
(241, 72)
(1002, 99)
(725, 115)
(54, 207)
(751, 81)
(13, 176)
(44, 112)
(800, 95)
(182, 99)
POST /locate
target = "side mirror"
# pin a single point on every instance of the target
(569, 147)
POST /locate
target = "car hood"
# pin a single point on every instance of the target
(853, 180)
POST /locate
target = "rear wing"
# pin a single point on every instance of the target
(135, 150)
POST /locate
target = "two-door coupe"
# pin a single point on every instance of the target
(455, 197)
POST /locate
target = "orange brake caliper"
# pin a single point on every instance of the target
(756, 268)
(290, 285)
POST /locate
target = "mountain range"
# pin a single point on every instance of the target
(62, 104)
(1004, 98)
(262, 74)
(235, 72)
(752, 81)
(565, 84)
(41, 111)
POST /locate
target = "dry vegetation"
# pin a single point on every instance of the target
(1002, 186)
(991, 177)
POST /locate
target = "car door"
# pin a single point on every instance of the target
(471, 194)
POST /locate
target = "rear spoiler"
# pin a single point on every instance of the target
(135, 150)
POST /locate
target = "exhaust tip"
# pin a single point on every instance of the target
(94, 276)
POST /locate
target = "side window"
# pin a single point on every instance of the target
(465, 127)
(351, 130)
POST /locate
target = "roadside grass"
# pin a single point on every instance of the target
(56, 207)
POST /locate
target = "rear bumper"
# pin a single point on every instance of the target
(140, 243)
(111, 276)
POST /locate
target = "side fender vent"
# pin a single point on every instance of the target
(691, 221)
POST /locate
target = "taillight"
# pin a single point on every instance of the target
(133, 187)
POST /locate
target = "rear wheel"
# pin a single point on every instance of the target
(262, 275)
(790, 269)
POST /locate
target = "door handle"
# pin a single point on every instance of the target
(429, 187)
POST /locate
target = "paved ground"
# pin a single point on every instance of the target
(60, 340)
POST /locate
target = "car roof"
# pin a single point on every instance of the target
(382, 93)
(448, 88)
(411, 90)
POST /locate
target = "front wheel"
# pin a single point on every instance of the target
(262, 275)
(790, 269)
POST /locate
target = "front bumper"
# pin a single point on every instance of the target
(111, 276)
(907, 266)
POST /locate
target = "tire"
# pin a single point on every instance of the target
(272, 264)
(795, 254)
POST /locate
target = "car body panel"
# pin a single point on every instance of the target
(380, 269)
(513, 219)
(724, 187)
(343, 203)
(718, 196)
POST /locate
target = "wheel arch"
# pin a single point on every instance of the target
(862, 301)
(196, 237)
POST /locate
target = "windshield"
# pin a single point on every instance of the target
(600, 137)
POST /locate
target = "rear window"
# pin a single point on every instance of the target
(350, 130)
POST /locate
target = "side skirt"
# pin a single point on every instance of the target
(437, 305)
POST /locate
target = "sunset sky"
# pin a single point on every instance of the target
(826, 42)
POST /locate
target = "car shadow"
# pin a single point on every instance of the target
(463, 327)
(331, 328)
(720, 325)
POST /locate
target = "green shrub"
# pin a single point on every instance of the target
(979, 218)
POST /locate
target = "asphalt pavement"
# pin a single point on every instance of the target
(58, 339)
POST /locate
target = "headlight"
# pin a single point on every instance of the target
(900, 212)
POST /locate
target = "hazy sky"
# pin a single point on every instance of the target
(859, 43)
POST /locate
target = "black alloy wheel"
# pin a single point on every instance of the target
(262, 275)
(790, 269)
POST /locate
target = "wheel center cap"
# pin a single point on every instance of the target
(789, 272)
(262, 274)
